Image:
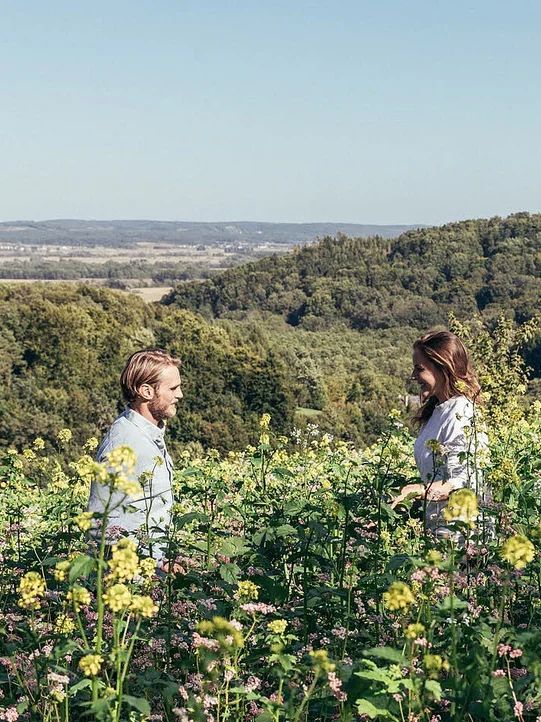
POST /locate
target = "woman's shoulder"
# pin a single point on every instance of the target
(459, 408)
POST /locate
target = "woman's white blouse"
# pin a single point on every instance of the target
(457, 425)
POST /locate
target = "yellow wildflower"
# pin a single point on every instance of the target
(39, 444)
(124, 562)
(227, 633)
(79, 596)
(84, 520)
(127, 486)
(434, 664)
(159, 460)
(64, 436)
(29, 455)
(434, 446)
(31, 587)
(91, 444)
(398, 596)
(264, 439)
(247, 590)
(462, 506)
(90, 470)
(117, 597)
(264, 421)
(414, 631)
(90, 664)
(61, 569)
(64, 624)
(518, 550)
(433, 556)
(320, 660)
(148, 567)
(142, 606)
(278, 626)
(122, 459)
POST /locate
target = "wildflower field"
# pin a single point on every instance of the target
(295, 592)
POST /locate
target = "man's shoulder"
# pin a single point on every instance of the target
(122, 432)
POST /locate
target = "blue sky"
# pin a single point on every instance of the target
(373, 112)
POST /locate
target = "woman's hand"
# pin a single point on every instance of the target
(437, 491)
(414, 491)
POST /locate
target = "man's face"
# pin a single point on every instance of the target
(166, 394)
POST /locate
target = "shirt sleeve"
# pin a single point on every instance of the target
(461, 440)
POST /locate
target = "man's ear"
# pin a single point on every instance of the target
(146, 392)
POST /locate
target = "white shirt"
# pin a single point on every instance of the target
(458, 426)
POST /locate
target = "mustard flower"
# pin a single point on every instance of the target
(434, 664)
(91, 444)
(117, 597)
(89, 470)
(31, 587)
(148, 567)
(320, 661)
(79, 596)
(518, 550)
(130, 487)
(142, 606)
(398, 596)
(414, 631)
(433, 556)
(462, 506)
(64, 624)
(247, 590)
(278, 626)
(90, 664)
(38, 444)
(84, 520)
(64, 436)
(434, 446)
(61, 569)
(264, 421)
(124, 562)
(122, 459)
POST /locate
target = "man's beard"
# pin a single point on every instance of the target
(160, 410)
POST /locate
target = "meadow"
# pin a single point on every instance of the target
(297, 593)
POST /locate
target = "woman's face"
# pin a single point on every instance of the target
(430, 379)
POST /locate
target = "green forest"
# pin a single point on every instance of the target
(321, 335)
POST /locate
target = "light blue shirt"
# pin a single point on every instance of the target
(154, 507)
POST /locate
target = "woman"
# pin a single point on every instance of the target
(451, 436)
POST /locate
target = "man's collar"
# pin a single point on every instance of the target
(155, 432)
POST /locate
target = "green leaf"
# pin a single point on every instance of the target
(80, 685)
(233, 546)
(452, 603)
(81, 567)
(434, 687)
(229, 573)
(181, 521)
(285, 530)
(366, 707)
(138, 703)
(388, 653)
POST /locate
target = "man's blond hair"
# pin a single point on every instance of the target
(144, 367)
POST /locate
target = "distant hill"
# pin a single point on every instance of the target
(479, 266)
(126, 233)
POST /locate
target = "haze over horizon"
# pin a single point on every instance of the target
(386, 114)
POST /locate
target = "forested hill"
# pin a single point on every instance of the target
(375, 283)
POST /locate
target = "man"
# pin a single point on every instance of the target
(151, 388)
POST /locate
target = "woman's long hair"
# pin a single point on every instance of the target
(449, 355)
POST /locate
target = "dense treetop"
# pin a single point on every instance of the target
(321, 335)
(467, 267)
